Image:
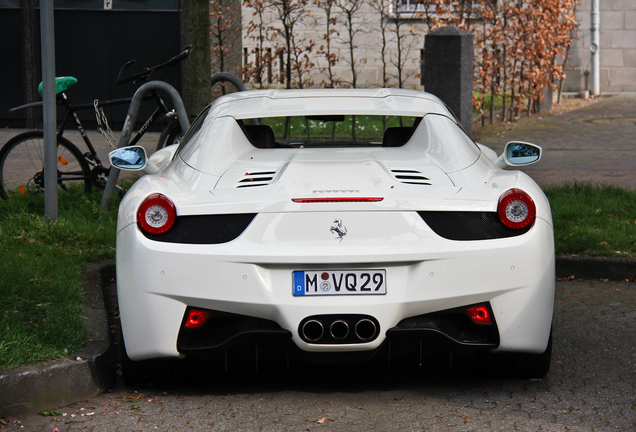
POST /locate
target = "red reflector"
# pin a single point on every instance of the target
(335, 200)
(479, 314)
(196, 318)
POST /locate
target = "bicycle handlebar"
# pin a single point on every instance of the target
(146, 73)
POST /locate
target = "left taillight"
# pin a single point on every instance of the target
(156, 214)
(516, 209)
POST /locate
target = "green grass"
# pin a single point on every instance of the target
(40, 269)
(41, 262)
(594, 220)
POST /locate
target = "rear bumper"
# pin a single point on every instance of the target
(158, 281)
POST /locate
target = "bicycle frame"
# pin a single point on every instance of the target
(91, 168)
(161, 110)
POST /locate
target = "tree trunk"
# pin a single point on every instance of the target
(196, 32)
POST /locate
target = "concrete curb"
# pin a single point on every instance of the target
(33, 388)
(61, 382)
(581, 266)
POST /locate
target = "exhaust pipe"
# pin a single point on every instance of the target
(339, 329)
(313, 330)
(366, 330)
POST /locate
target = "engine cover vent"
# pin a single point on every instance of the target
(260, 178)
(411, 177)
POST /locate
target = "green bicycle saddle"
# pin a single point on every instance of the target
(61, 84)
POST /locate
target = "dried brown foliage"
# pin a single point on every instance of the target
(520, 45)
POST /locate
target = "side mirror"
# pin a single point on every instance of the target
(517, 153)
(131, 158)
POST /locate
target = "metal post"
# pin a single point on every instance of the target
(595, 47)
(48, 109)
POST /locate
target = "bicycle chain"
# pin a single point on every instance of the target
(102, 122)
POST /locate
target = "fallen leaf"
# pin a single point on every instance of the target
(322, 420)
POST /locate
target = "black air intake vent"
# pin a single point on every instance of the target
(411, 177)
(261, 178)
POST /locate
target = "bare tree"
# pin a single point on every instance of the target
(406, 36)
(225, 25)
(261, 30)
(328, 6)
(352, 22)
(291, 14)
(381, 7)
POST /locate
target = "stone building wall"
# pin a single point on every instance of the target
(617, 48)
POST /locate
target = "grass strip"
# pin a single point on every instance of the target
(593, 220)
(40, 269)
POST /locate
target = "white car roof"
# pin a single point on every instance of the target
(279, 103)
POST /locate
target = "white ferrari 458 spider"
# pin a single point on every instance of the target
(335, 226)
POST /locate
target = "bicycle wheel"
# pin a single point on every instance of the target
(22, 165)
(171, 134)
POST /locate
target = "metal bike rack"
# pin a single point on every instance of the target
(133, 110)
(231, 78)
(129, 124)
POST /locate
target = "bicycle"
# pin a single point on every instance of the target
(22, 157)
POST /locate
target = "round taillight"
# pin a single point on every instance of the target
(156, 214)
(516, 209)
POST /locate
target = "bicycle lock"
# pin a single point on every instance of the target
(129, 125)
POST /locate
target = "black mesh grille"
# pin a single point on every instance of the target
(223, 329)
(454, 324)
(205, 229)
(468, 225)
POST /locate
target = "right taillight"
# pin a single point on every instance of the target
(156, 214)
(516, 209)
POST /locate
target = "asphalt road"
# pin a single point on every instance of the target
(591, 386)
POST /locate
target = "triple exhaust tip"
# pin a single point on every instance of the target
(364, 330)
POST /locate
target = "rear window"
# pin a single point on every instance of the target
(328, 130)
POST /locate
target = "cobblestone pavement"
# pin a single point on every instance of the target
(591, 387)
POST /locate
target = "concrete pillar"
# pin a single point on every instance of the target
(448, 71)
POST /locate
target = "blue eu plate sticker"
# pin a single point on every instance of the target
(299, 283)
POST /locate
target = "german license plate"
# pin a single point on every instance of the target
(337, 282)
